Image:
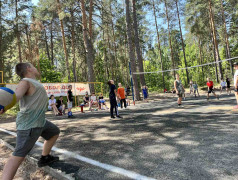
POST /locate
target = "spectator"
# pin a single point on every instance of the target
(60, 105)
(52, 105)
(195, 89)
(86, 99)
(102, 102)
(93, 101)
(223, 85)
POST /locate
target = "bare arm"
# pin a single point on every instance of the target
(175, 86)
(22, 89)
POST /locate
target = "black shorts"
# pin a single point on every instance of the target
(223, 87)
(210, 90)
(26, 139)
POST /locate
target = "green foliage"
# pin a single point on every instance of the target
(48, 72)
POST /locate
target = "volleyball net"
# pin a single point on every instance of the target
(177, 69)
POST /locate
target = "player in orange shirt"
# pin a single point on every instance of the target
(121, 95)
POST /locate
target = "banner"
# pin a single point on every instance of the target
(60, 89)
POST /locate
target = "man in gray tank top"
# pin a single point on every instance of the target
(31, 122)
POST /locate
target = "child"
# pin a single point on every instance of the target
(60, 105)
(195, 88)
(223, 85)
(113, 101)
(70, 101)
(210, 89)
(86, 99)
(145, 93)
(93, 101)
(31, 122)
(52, 105)
(102, 102)
(228, 87)
(179, 90)
(121, 95)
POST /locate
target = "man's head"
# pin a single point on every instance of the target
(119, 84)
(26, 69)
(177, 76)
(61, 98)
(235, 65)
(70, 87)
(52, 97)
(93, 94)
(208, 79)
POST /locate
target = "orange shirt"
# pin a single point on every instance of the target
(121, 92)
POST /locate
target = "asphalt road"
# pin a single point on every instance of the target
(156, 139)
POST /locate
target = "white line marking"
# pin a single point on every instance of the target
(108, 167)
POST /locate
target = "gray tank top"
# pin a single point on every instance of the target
(32, 108)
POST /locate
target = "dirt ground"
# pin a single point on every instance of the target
(26, 171)
(156, 139)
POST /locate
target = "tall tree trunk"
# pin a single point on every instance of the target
(107, 76)
(88, 46)
(1, 40)
(170, 41)
(159, 46)
(228, 54)
(181, 33)
(111, 61)
(215, 40)
(131, 50)
(201, 57)
(114, 38)
(73, 45)
(51, 42)
(29, 45)
(90, 19)
(46, 45)
(18, 33)
(137, 44)
(214, 52)
(64, 42)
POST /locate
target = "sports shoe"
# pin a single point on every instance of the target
(119, 117)
(46, 160)
(112, 117)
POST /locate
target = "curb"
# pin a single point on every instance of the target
(57, 174)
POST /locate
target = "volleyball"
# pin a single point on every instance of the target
(7, 98)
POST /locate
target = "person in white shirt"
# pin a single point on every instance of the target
(223, 85)
(52, 105)
(93, 101)
(236, 83)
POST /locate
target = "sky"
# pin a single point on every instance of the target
(35, 2)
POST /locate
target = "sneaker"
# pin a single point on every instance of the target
(112, 117)
(119, 117)
(46, 160)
